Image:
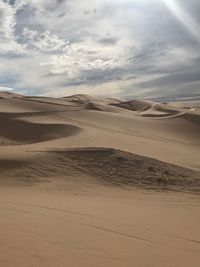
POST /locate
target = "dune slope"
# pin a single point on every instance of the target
(103, 165)
(16, 132)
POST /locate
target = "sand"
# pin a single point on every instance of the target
(88, 181)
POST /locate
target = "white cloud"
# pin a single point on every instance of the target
(77, 59)
(7, 26)
(29, 35)
(5, 89)
(45, 41)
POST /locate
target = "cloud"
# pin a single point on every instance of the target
(108, 41)
(7, 35)
(29, 35)
(136, 46)
(45, 41)
(78, 59)
(5, 89)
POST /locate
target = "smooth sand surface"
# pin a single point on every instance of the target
(87, 182)
(99, 227)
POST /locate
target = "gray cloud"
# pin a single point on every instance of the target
(108, 41)
(12, 2)
(172, 80)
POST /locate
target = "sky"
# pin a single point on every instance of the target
(118, 48)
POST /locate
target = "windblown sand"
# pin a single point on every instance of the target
(87, 182)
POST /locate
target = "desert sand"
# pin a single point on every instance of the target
(88, 181)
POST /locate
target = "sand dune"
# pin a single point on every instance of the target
(5, 95)
(172, 137)
(161, 110)
(134, 105)
(87, 181)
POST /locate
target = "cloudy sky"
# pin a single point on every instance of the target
(121, 48)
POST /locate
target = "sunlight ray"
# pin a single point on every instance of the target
(184, 18)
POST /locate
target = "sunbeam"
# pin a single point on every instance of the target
(184, 18)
